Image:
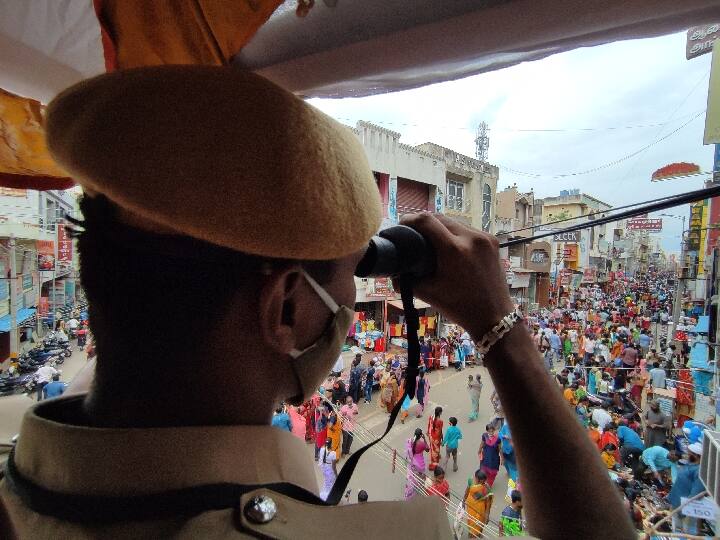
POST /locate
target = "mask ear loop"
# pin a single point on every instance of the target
(412, 319)
(322, 293)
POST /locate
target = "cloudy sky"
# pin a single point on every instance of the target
(602, 105)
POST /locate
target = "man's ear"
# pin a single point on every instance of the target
(277, 309)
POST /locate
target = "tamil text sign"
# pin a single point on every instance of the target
(64, 245)
(700, 39)
(645, 224)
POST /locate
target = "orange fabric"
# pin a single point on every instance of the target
(178, 31)
(24, 158)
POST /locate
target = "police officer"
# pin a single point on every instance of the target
(226, 217)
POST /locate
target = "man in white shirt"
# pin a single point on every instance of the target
(657, 376)
(43, 376)
(61, 336)
(73, 324)
(601, 417)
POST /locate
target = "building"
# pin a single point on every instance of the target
(527, 266)
(423, 178)
(44, 271)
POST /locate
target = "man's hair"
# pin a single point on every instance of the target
(56, 377)
(515, 496)
(656, 364)
(453, 421)
(133, 278)
(362, 496)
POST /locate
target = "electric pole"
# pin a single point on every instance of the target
(13, 300)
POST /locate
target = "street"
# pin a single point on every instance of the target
(447, 390)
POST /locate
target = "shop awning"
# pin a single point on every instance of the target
(22, 315)
(419, 304)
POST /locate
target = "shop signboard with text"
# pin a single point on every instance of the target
(538, 258)
(573, 236)
(589, 275)
(46, 254)
(645, 224)
(64, 241)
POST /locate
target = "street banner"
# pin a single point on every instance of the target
(712, 114)
(44, 305)
(64, 245)
(645, 224)
(700, 40)
(675, 170)
(382, 288)
(589, 275)
(46, 254)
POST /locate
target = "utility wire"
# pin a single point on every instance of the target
(676, 200)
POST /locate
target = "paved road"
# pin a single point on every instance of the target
(448, 390)
(13, 407)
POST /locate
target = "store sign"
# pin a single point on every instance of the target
(64, 245)
(539, 256)
(700, 40)
(645, 224)
(520, 281)
(565, 278)
(382, 287)
(704, 508)
(573, 236)
(589, 275)
(27, 282)
(46, 254)
(570, 253)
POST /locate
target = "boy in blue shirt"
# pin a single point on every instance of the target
(451, 441)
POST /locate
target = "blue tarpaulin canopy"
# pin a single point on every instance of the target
(22, 314)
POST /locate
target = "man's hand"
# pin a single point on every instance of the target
(468, 286)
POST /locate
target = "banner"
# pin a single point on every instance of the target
(44, 305)
(700, 40)
(382, 287)
(46, 254)
(712, 115)
(64, 245)
(589, 275)
(645, 224)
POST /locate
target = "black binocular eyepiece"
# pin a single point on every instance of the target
(395, 251)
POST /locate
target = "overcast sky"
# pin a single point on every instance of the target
(646, 85)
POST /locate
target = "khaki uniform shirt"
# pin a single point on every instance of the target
(58, 453)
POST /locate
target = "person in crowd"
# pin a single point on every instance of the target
(630, 445)
(608, 455)
(338, 391)
(390, 393)
(327, 462)
(362, 496)
(422, 391)
(356, 378)
(334, 433)
(511, 523)
(337, 368)
(440, 486)
(508, 452)
(415, 449)
(659, 460)
(645, 340)
(478, 501)
(687, 484)
(281, 419)
(474, 386)
(657, 376)
(569, 394)
(594, 433)
(589, 349)
(582, 410)
(468, 348)
(490, 453)
(450, 441)
(43, 376)
(555, 345)
(348, 414)
(369, 381)
(435, 436)
(499, 410)
(54, 388)
(609, 436)
(322, 413)
(657, 425)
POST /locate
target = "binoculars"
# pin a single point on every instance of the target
(397, 251)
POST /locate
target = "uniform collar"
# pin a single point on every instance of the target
(55, 451)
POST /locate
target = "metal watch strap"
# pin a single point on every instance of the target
(498, 331)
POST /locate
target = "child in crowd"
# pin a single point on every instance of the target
(439, 486)
(451, 442)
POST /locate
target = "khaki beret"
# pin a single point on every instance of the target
(221, 155)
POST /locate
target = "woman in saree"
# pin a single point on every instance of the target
(435, 436)
(478, 500)
(389, 393)
(321, 421)
(415, 449)
(334, 432)
(384, 379)
(474, 389)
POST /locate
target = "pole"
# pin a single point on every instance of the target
(680, 286)
(13, 300)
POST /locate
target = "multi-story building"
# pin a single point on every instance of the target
(30, 225)
(527, 265)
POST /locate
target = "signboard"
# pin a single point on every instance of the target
(573, 236)
(589, 275)
(64, 245)
(704, 508)
(674, 170)
(46, 254)
(27, 282)
(565, 278)
(539, 259)
(520, 281)
(539, 256)
(645, 224)
(382, 287)
(44, 305)
(570, 253)
(576, 281)
(392, 200)
(13, 192)
(712, 115)
(700, 40)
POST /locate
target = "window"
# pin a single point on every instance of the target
(486, 207)
(455, 195)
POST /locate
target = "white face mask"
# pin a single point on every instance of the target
(312, 364)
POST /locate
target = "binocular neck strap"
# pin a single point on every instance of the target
(412, 320)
